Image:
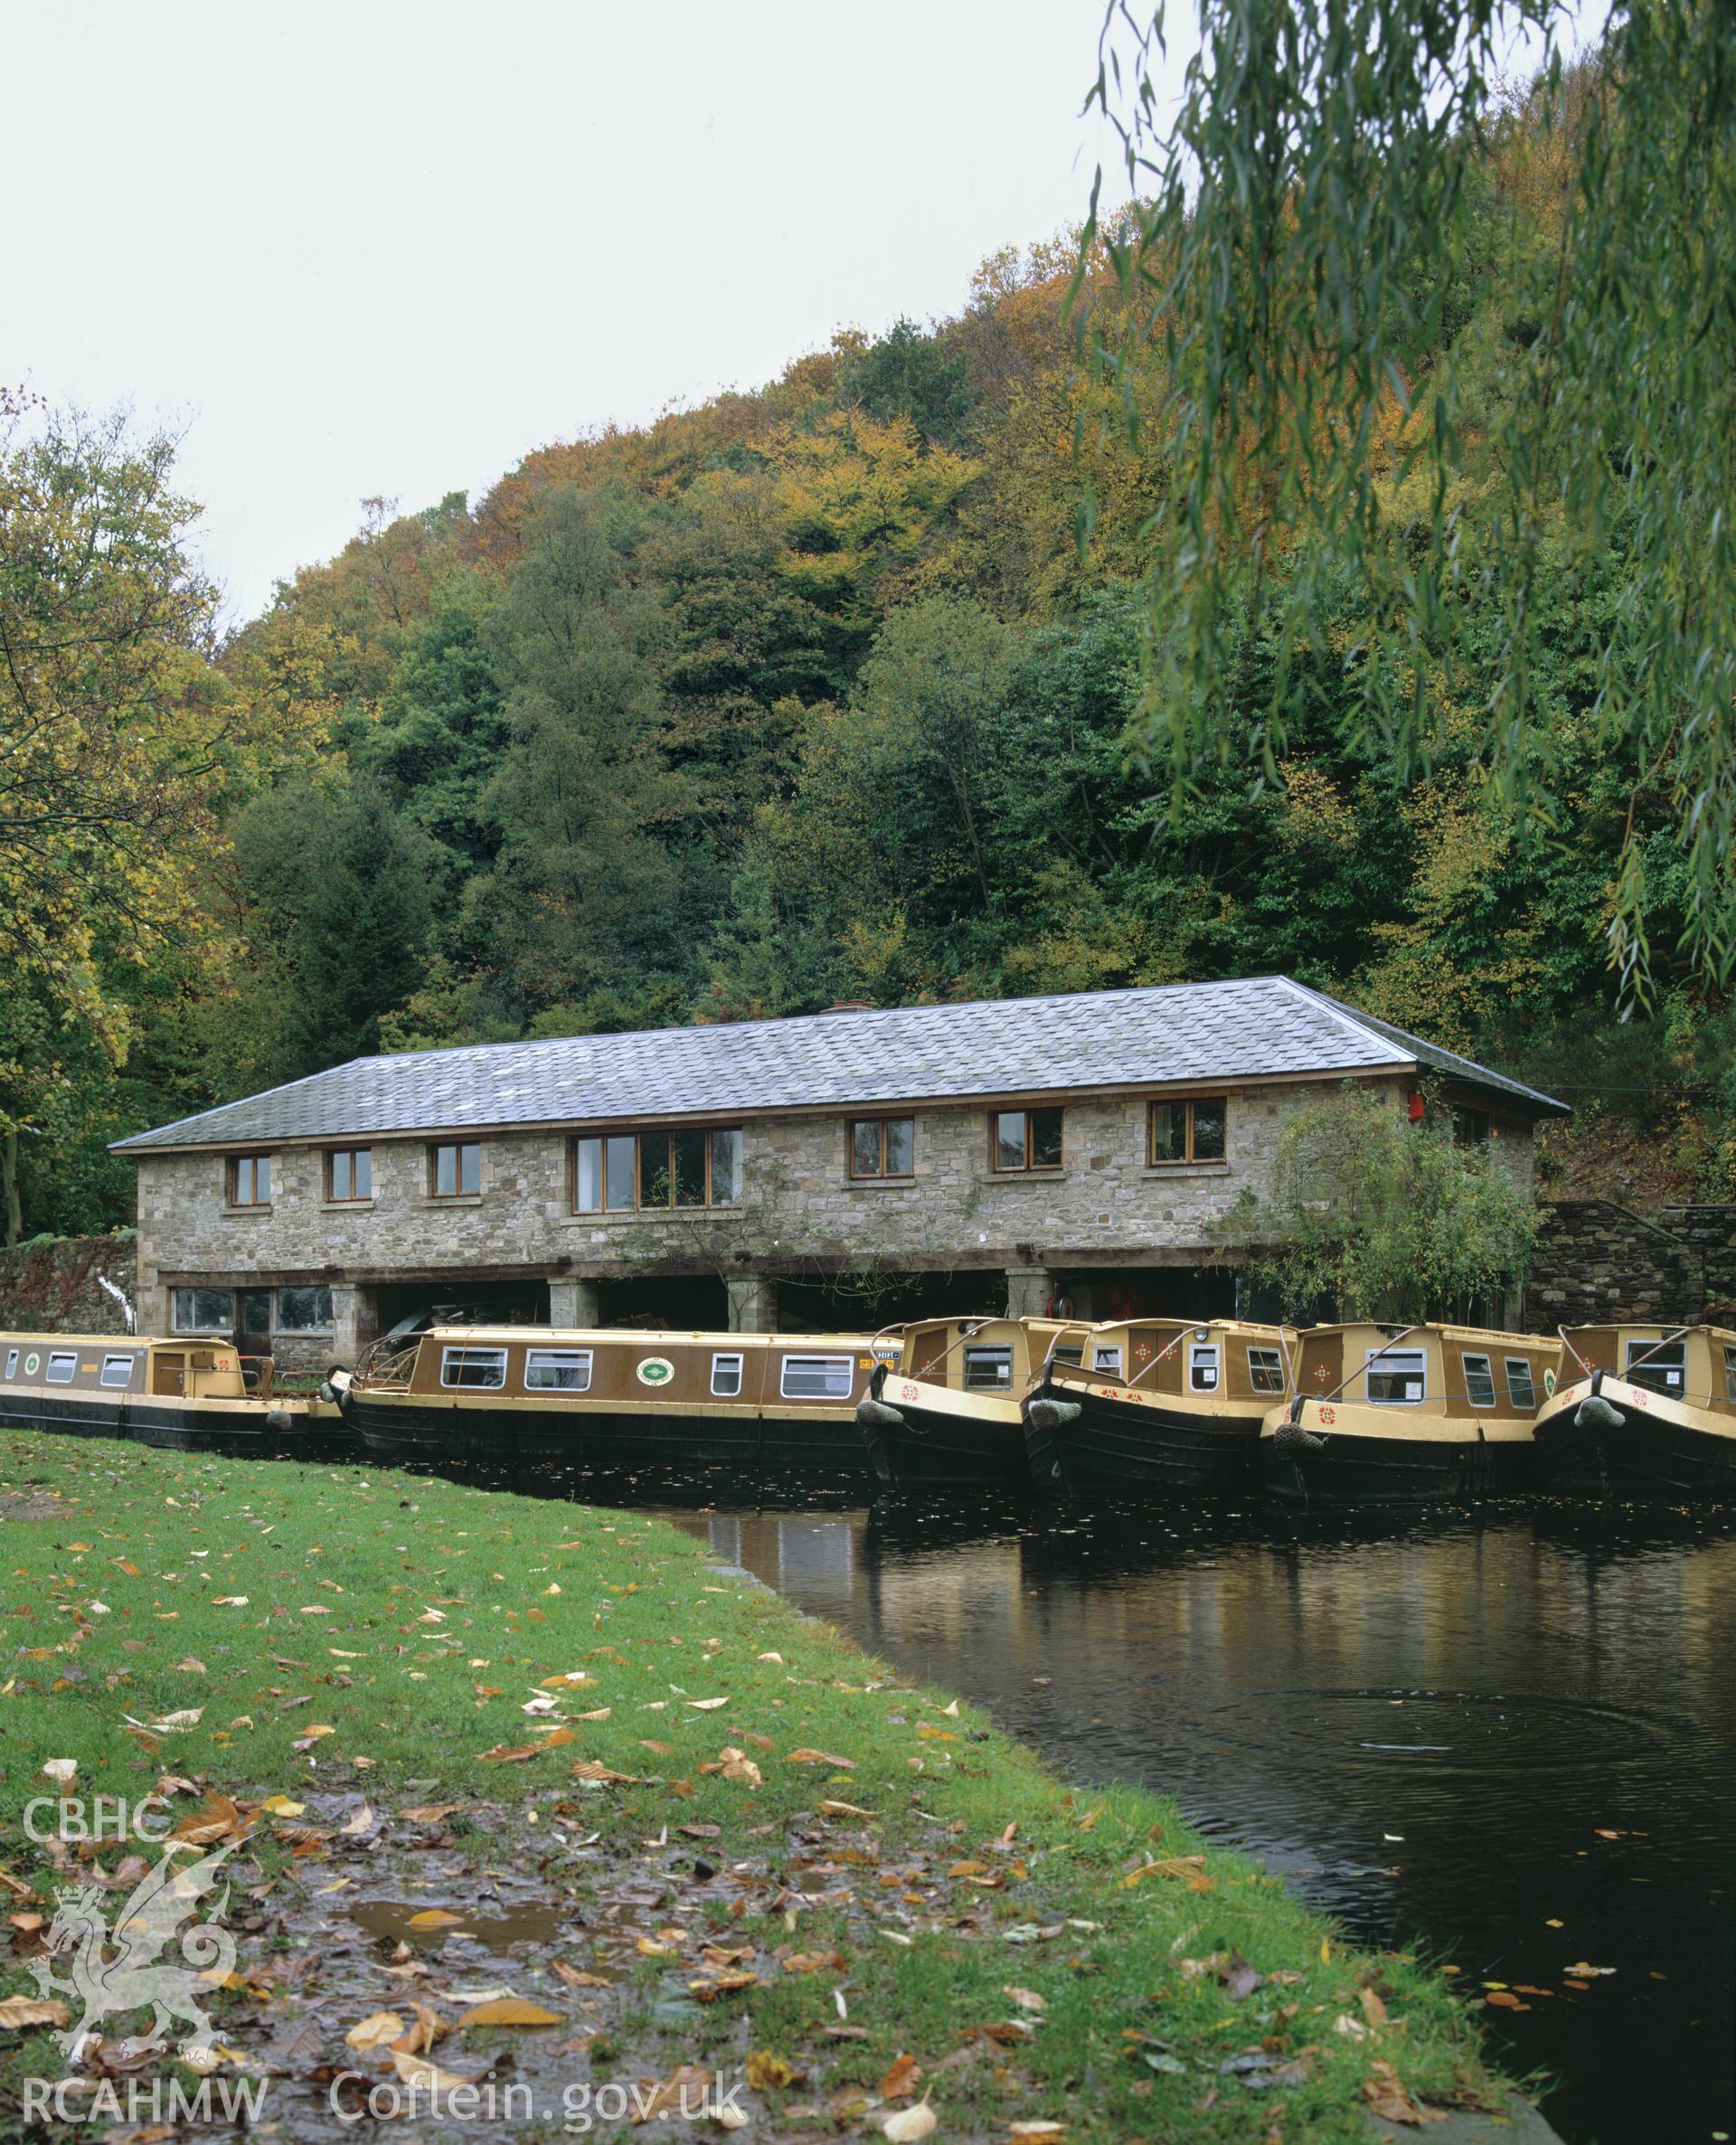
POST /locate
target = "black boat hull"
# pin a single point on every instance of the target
(171, 1426)
(1124, 1447)
(624, 1443)
(1633, 1453)
(931, 1448)
(1371, 1470)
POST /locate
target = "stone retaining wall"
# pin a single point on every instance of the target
(1596, 1261)
(53, 1287)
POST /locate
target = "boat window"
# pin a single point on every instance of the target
(473, 1367)
(1664, 1370)
(12, 1362)
(988, 1370)
(204, 1310)
(1479, 1381)
(1397, 1378)
(1266, 1370)
(1203, 1367)
(1107, 1358)
(1076, 1355)
(116, 1370)
(557, 1370)
(815, 1377)
(61, 1364)
(1730, 1369)
(726, 1377)
(1522, 1390)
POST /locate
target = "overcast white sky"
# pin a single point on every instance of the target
(388, 248)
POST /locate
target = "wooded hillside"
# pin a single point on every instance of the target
(806, 695)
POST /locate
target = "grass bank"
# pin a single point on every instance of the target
(472, 1750)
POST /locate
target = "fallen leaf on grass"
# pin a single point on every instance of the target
(820, 1757)
(844, 1809)
(17, 2012)
(683, 2092)
(435, 1917)
(417, 2072)
(901, 2080)
(379, 2029)
(708, 1990)
(813, 1962)
(511, 2010)
(426, 1813)
(62, 1771)
(1037, 2133)
(1184, 1868)
(767, 2072)
(707, 1705)
(576, 1978)
(595, 1771)
(1392, 2100)
(1027, 2000)
(513, 1754)
(280, 1806)
(910, 2124)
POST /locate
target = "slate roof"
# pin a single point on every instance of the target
(1236, 1030)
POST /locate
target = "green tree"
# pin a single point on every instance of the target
(1382, 1218)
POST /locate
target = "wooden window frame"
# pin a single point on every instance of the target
(883, 1175)
(710, 1205)
(352, 1198)
(436, 1148)
(1029, 1111)
(1187, 1104)
(233, 1178)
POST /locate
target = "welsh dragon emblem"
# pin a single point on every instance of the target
(122, 1969)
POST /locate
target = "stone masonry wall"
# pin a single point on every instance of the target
(53, 1287)
(1595, 1261)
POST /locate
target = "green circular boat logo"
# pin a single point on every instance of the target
(656, 1370)
(32, 1365)
(1548, 1382)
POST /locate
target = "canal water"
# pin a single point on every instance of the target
(1508, 1738)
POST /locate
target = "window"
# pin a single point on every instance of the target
(883, 1147)
(454, 1170)
(1074, 1355)
(1470, 1126)
(1203, 1367)
(1664, 1368)
(1026, 1139)
(614, 1173)
(557, 1370)
(1189, 1131)
(61, 1364)
(256, 1313)
(204, 1310)
(1397, 1378)
(12, 1362)
(117, 1370)
(1479, 1381)
(249, 1180)
(815, 1377)
(1521, 1390)
(1266, 1370)
(988, 1370)
(303, 1310)
(473, 1367)
(726, 1377)
(1730, 1369)
(349, 1173)
(1104, 1358)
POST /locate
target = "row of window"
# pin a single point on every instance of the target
(1398, 1378)
(568, 1370)
(63, 1363)
(988, 1368)
(619, 1172)
(257, 1314)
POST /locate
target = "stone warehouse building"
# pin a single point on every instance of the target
(848, 1168)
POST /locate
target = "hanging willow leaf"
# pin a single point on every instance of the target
(1335, 422)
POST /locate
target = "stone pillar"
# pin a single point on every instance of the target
(354, 1322)
(151, 1307)
(1027, 1291)
(574, 1303)
(753, 1303)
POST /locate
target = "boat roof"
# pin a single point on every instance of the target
(99, 1341)
(1657, 1326)
(590, 1336)
(1240, 1029)
(1391, 1330)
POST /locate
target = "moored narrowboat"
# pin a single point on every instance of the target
(178, 1392)
(614, 1399)
(1645, 1413)
(1155, 1404)
(1392, 1414)
(947, 1414)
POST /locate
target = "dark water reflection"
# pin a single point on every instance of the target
(1428, 1724)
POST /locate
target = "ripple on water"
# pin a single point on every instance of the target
(1471, 1733)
